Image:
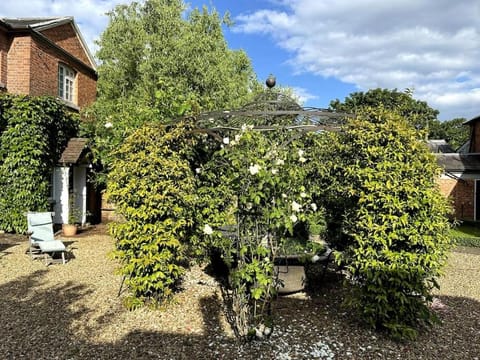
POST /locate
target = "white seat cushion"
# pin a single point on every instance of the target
(51, 246)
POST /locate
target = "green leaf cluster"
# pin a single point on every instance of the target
(33, 133)
(418, 113)
(153, 188)
(394, 220)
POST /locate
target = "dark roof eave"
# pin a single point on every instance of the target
(476, 118)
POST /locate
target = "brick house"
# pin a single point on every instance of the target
(460, 180)
(47, 56)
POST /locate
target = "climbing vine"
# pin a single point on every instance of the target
(33, 133)
(265, 179)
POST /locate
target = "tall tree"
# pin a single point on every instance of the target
(417, 112)
(159, 61)
(454, 131)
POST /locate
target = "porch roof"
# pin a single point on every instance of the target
(75, 151)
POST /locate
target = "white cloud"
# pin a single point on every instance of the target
(303, 95)
(430, 46)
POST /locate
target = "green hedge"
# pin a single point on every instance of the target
(468, 241)
(153, 189)
(33, 133)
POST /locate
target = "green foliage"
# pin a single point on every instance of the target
(258, 183)
(153, 189)
(34, 131)
(171, 63)
(395, 220)
(454, 131)
(417, 112)
(302, 247)
(466, 234)
(317, 223)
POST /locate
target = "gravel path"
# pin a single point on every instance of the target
(72, 311)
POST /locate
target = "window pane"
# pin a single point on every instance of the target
(66, 82)
(60, 82)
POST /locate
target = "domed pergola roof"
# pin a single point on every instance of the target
(273, 110)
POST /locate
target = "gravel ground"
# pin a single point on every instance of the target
(73, 311)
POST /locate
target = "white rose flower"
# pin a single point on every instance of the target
(302, 159)
(303, 195)
(280, 162)
(108, 125)
(226, 140)
(244, 127)
(313, 206)
(249, 206)
(315, 258)
(301, 152)
(237, 138)
(296, 206)
(254, 169)
(294, 218)
(284, 196)
(198, 170)
(207, 230)
(274, 171)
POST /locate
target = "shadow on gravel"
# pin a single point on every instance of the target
(40, 323)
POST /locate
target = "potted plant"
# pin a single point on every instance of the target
(74, 214)
(316, 227)
(292, 256)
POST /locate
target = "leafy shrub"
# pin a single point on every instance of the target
(34, 132)
(395, 220)
(466, 234)
(468, 241)
(153, 188)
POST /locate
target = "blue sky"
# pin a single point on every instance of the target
(326, 49)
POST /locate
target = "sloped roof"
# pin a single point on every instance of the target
(476, 118)
(74, 151)
(439, 146)
(38, 24)
(455, 162)
(25, 23)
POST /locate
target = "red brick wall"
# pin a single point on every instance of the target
(45, 81)
(33, 69)
(18, 65)
(4, 45)
(475, 139)
(65, 37)
(86, 89)
(44, 63)
(461, 193)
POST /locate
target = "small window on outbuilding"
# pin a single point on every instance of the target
(66, 83)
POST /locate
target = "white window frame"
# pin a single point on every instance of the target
(66, 83)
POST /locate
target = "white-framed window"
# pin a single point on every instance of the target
(66, 83)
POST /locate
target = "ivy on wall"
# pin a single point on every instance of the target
(33, 133)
